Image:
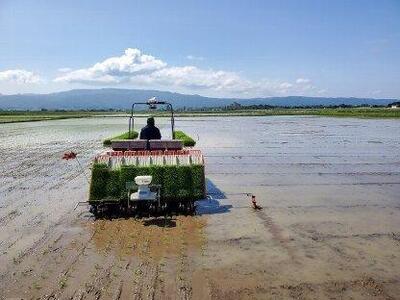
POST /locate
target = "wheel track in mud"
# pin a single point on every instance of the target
(135, 278)
(277, 235)
(123, 283)
(100, 282)
(183, 282)
(187, 266)
(368, 286)
(13, 208)
(6, 247)
(4, 220)
(42, 183)
(39, 162)
(146, 276)
(65, 273)
(46, 237)
(39, 258)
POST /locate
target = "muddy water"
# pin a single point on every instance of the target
(329, 227)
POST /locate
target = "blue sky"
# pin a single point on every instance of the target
(216, 48)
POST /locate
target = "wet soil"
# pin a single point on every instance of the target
(329, 227)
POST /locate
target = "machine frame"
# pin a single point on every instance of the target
(152, 104)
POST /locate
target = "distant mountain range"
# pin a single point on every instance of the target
(109, 98)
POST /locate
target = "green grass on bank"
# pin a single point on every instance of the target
(356, 112)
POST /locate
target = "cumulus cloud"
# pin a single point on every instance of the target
(134, 68)
(19, 76)
(194, 78)
(305, 86)
(115, 69)
(302, 80)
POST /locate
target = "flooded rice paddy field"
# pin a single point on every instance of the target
(329, 227)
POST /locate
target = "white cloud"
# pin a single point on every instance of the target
(135, 69)
(194, 57)
(19, 76)
(285, 85)
(305, 86)
(302, 80)
(198, 79)
(115, 69)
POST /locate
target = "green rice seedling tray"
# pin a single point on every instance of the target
(178, 183)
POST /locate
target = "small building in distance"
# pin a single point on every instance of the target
(394, 105)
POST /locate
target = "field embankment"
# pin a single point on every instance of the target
(32, 116)
(355, 112)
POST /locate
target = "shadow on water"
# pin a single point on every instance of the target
(212, 205)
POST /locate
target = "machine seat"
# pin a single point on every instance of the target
(166, 145)
(138, 145)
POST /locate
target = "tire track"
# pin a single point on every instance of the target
(277, 235)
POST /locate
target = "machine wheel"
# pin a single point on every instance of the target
(189, 207)
(94, 210)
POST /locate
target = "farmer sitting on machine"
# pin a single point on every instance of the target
(150, 132)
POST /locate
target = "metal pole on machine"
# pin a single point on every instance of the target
(131, 121)
(152, 103)
(172, 120)
(132, 118)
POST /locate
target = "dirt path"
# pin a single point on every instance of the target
(329, 227)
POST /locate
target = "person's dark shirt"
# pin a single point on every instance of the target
(150, 132)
